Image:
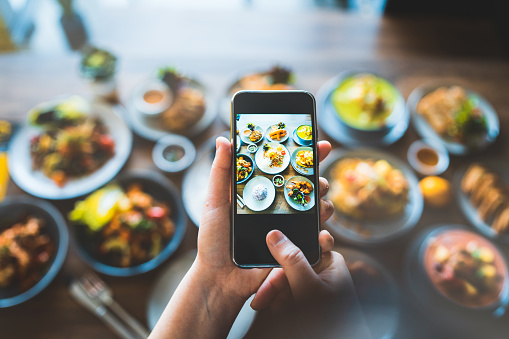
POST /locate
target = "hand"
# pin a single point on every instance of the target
(213, 258)
(320, 300)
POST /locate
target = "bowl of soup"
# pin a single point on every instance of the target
(153, 97)
(304, 134)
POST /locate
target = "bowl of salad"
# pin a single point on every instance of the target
(131, 225)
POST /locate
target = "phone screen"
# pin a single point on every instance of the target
(275, 179)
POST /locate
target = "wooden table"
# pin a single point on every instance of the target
(265, 121)
(317, 45)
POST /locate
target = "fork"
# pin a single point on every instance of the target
(97, 289)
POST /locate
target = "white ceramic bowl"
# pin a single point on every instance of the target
(178, 141)
(152, 109)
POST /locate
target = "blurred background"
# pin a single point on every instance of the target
(43, 45)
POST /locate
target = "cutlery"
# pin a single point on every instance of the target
(100, 310)
(240, 199)
(97, 289)
(241, 205)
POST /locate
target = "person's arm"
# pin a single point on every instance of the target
(198, 309)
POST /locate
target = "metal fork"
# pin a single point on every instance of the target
(97, 289)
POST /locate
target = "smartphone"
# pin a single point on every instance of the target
(274, 174)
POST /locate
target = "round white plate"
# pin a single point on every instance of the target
(256, 205)
(283, 139)
(152, 129)
(237, 138)
(246, 138)
(261, 162)
(39, 185)
(300, 169)
(292, 203)
(168, 282)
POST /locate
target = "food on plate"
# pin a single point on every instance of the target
(453, 114)
(304, 158)
(278, 131)
(278, 180)
(305, 132)
(274, 157)
(244, 168)
(72, 144)
(489, 195)
(437, 191)
(368, 188)
(188, 105)
(277, 78)
(465, 268)
(26, 252)
(123, 228)
(299, 191)
(252, 133)
(260, 192)
(365, 101)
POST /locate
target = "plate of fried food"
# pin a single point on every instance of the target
(376, 196)
(131, 225)
(251, 134)
(302, 160)
(482, 193)
(460, 118)
(277, 132)
(264, 78)
(300, 193)
(171, 102)
(68, 148)
(33, 242)
(272, 158)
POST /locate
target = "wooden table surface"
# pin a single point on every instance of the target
(317, 45)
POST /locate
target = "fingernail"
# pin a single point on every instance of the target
(277, 238)
(217, 143)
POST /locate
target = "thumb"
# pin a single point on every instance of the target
(298, 271)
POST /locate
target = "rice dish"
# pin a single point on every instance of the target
(259, 192)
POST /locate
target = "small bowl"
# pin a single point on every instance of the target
(162, 189)
(442, 156)
(274, 180)
(14, 208)
(252, 148)
(153, 97)
(173, 153)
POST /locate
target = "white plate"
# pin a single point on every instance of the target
(246, 138)
(39, 185)
(150, 128)
(196, 179)
(256, 205)
(292, 203)
(283, 139)
(237, 138)
(168, 282)
(300, 169)
(261, 161)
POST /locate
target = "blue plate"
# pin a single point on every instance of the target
(161, 189)
(12, 209)
(249, 159)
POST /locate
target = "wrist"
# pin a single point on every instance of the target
(215, 285)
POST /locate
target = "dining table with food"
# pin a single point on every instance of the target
(102, 192)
